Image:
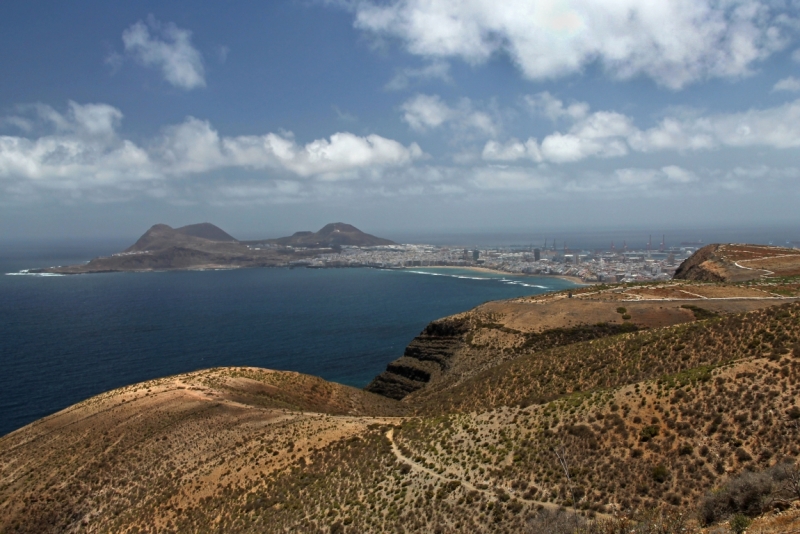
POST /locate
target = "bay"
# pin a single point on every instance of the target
(66, 338)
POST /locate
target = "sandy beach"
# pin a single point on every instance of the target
(573, 279)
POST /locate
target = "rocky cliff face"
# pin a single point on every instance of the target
(701, 266)
(426, 358)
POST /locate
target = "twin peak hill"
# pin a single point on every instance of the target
(661, 407)
(205, 246)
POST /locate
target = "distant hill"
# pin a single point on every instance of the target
(161, 236)
(334, 234)
(206, 231)
(206, 246)
(739, 263)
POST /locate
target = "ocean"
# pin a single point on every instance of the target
(66, 338)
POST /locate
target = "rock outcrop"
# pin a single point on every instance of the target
(426, 358)
(739, 263)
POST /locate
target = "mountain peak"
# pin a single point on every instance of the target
(334, 234)
(206, 231)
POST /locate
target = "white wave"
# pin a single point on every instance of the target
(463, 277)
(26, 273)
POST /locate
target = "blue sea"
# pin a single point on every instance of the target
(66, 338)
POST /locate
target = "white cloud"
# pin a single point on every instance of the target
(427, 112)
(777, 127)
(609, 134)
(84, 151)
(791, 84)
(170, 50)
(675, 43)
(194, 146)
(512, 151)
(438, 70)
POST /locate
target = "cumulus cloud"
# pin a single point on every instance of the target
(791, 84)
(609, 134)
(777, 127)
(169, 49)
(84, 150)
(194, 146)
(675, 43)
(427, 112)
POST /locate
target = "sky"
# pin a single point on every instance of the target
(398, 115)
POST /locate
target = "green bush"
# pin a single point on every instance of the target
(647, 433)
(660, 473)
(739, 523)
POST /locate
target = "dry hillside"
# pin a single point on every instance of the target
(737, 263)
(640, 408)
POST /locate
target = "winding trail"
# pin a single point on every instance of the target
(490, 493)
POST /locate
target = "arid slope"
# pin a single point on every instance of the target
(451, 350)
(647, 409)
(738, 263)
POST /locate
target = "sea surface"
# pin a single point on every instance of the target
(66, 338)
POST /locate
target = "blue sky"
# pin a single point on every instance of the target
(398, 115)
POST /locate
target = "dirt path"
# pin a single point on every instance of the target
(490, 493)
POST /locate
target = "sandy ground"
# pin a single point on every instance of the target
(573, 279)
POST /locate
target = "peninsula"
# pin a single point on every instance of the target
(205, 246)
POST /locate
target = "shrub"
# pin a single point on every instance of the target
(742, 455)
(621, 310)
(739, 523)
(660, 473)
(743, 494)
(555, 522)
(647, 433)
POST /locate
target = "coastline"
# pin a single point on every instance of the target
(573, 279)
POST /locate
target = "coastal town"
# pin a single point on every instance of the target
(608, 265)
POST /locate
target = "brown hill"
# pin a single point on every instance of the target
(161, 236)
(205, 231)
(451, 350)
(738, 263)
(196, 246)
(334, 234)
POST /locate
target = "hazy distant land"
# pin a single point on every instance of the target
(205, 246)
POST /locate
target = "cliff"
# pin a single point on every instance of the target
(452, 350)
(739, 263)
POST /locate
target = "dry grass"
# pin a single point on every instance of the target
(649, 415)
